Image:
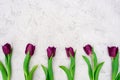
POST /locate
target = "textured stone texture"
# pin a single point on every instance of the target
(61, 23)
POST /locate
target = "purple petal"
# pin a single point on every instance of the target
(7, 48)
(51, 51)
(30, 48)
(112, 51)
(70, 51)
(88, 49)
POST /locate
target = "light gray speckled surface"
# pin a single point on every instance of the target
(60, 23)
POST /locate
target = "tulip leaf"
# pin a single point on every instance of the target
(115, 66)
(45, 71)
(50, 69)
(32, 72)
(118, 76)
(94, 59)
(3, 71)
(67, 71)
(90, 72)
(97, 71)
(26, 64)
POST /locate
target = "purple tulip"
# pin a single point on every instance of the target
(51, 51)
(7, 48)
(70, 51)
(88, 49)
(112, 51)
(30, 48)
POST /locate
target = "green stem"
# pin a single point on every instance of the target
(92, 61)
(26, 66)
(113, 76)
(50, 69)
(9, 66)
(72, 67)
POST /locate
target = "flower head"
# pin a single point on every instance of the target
(30, 48)
(51, 51)
(88, 49)
(70, 51)
(112, 51)
(7, 48)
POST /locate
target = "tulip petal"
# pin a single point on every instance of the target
(51, 51)
(7, 49)
(70, 51)
(88, 49)
(30, 48)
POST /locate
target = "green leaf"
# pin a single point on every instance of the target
(3, 71)
(97, 71)
(90, 72)
(45, 71)
(26, 65)
(115, 66)
(32, 72)
(50, 69)
(66, 70)
(118, 76)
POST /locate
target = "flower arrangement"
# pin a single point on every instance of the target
(94, 67)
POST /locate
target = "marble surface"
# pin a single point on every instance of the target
(61, 23)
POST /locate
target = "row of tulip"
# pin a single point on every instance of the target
(93, 68)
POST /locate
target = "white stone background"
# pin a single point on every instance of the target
(60, 23)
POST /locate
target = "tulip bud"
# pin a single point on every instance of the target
(88, 49)
(51, 51)
(112, 51)
(7, 48)
(70, 51)
(30, 48)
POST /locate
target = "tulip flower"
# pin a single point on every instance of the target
(70, 51)
(30, 49)
(88, 49)
(29, 53)
(114, 54)
(51, 51)
(112, 51)
(6, 69)
(49, 71)
(7, 49)
(94, 69)
(70, 72)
